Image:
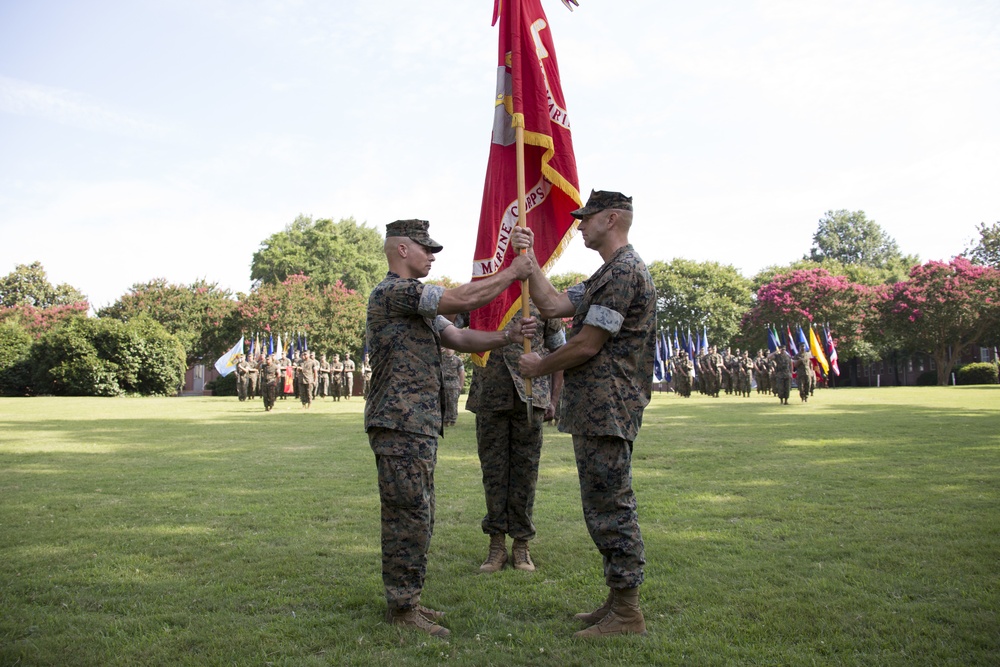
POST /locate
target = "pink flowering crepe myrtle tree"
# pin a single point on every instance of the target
(816, 296)
(943, 307)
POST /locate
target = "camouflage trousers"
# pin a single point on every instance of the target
(451, 404)
(782, 387)
(270, 391)
(604, 464)
(509, 450)
(306, 392)
(807, 384)
(405, 463)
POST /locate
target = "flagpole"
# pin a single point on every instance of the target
(522, 221)
(517, 120)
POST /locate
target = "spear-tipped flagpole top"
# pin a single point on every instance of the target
(570, 4)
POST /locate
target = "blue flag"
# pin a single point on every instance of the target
(658, 363)
(772, 339)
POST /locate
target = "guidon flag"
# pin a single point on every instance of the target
(529, 95)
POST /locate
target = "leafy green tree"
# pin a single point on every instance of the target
(28, 285)
(850, 238)
(107, 357)
(987, 249)
(944, 307)
(701, 295)
(326, 251)
(201, 315)
(563, 281)
(15, 369)
(332, 317)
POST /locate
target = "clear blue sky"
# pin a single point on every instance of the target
(169, 138)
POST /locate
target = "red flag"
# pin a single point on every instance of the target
(833, 352)
(528, 93)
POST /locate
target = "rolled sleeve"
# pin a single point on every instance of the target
(575, 294)
(441, 323)
(554, 341)
(604, 318)
(429, 300)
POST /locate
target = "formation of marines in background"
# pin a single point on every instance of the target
(713, 373)
(275, 377)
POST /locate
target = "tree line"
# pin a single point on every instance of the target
(314, 276)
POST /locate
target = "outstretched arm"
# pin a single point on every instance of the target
(478, 293)
(472, 340)
(549, 301)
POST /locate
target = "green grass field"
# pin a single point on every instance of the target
(861, 528)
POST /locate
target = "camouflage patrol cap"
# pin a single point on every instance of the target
(601, 200)
(414, 229)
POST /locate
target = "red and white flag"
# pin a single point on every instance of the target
(529, 94)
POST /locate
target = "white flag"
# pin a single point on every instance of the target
(227, 362)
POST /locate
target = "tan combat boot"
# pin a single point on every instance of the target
(432, 615)
(412, 619)
(590, 618)
(625, 617)
(497, 556)
(521, 556)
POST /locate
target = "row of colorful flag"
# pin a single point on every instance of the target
(269, 345)
(821, 346)
(257, 345)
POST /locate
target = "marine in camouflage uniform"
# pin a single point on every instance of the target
(336, 377)
(269, 382)
(366, 375)
(805, 373)
(403, 415)
(684, 374)
(781, 380)
(348, 376)
(324, 377)
(454, 381)
(716, 370)
(608, 380)
(307, 378)
(745, 370)
(253, 372)
(242, 378)
(510, 446)
(762, 373)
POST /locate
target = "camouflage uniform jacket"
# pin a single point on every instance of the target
(605, 395)
(270, 373)
(451, 365)
(309, 369)
(803, 362)
(404, 345)
(493, 386)
(782, 365)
